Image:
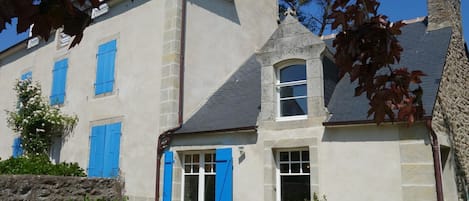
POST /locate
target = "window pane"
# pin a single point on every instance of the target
(293, 107)
(284, 168)
(305, 155)
(209, 188)
(191, 188)
(196, 158)
(283, 156)
(195, 168)
(208, 168)
(295, 168)
(295, 188)
(187, 158)
(293, 73)
(187, 168)
(305, 167)
(293, 91)
(295, 156)
(208, 158)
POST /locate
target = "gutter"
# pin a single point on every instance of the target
(164, 139)
(238, 129)
(436, 160)
(361, 122)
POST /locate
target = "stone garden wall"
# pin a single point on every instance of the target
(34, 187)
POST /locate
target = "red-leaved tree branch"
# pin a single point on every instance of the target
(47, 15)
(366, 47)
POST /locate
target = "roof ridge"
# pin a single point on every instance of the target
(415, 20)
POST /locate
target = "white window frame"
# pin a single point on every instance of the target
(278, 85)
(278, 174)
(201, 173)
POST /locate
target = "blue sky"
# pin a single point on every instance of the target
(394, 9)
(409, 9)
(9, 37)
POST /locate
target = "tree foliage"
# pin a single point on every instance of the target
(366, 47)
(36, 121)
(47, 15)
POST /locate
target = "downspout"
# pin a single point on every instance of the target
(164, 138)
(436, 160)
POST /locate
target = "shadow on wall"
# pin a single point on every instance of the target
(119, 9)
(467, 50)
(222, 8)
(362, 133)
(114, 11)
(23, 52)
(229, 138)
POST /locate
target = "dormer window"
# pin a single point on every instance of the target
(291, 92)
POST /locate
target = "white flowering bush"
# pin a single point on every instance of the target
(36, 121)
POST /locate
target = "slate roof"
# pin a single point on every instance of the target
(423, 50)
(236, 104)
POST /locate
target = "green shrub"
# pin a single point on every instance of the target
(39, 165)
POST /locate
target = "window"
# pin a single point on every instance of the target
(293, 175)
(105, 68)
(104, 150)
(59, 80)
(17, 149)
(207, 175)
(291, 89)
(199, 176)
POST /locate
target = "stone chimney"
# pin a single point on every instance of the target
(451, 114)
(441, 13)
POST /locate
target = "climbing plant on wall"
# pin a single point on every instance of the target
(36, 121)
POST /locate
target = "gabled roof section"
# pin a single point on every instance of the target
(423, 50)
(292, 30)
(236, 104)
(290, 40)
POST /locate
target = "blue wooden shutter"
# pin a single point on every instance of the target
(105, 69)
(168, 176)
(58, 82)
(27, 75)
(17, 149)
(95, 166)
(224, 175)
(112, 149)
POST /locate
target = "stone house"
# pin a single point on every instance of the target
(123, 79)
(235, 107)
(283, 127)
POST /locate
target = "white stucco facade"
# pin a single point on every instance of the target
(390, 162)
(142, 30)
(347, 162)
